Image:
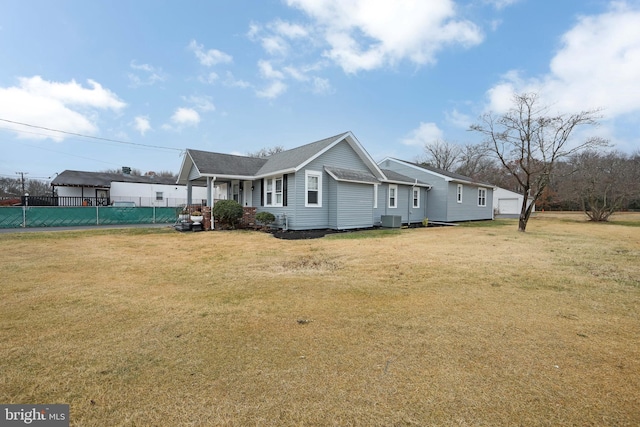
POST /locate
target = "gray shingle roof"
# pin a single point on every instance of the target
(352, 175)
(290, 159)
(209, 163)
(104, 179)
(225, 164)
(448, 174)
(398, 177)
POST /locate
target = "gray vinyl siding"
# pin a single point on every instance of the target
(304, 218)
(193, 174)
(441, 200)
(468, 210)
(279, 212)
(355, 202)
(437, 207)
(404, 204)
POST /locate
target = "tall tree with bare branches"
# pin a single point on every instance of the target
(529, 140)
(441, 154)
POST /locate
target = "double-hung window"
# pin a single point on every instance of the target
(313, 189)
(459, 193)
(482, 197)
(273, 191)
(159, 196)
(393, 195)
(416, 197)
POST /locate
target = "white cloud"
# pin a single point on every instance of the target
(150, 75)
(209, 78)
(142, 124)
(201, 102)
(209, 57)
(185, 117)
(276, 37)
(274, 90)
(458, 119)
(231, 81)
(321, 86)
(426, 132)
(365, 34)
(500, 4)
(268, 72)
(597, 66)
(65, 106)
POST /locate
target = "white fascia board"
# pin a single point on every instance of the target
(238, 177)
(410, 184)
(356, 146)
(318, 154)
(421, 169)
(364, 155)
(183, 175)
(276, 173)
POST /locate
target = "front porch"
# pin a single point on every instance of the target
(248, 220)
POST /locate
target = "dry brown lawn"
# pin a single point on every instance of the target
(475, 325)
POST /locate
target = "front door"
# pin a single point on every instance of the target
(247, 193)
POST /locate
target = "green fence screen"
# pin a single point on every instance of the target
(58, 216)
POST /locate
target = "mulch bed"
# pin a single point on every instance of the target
(302, 234)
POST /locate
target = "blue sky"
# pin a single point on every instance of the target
(237, 76)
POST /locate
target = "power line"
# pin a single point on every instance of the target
(89, 136)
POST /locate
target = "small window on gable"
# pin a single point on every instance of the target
(459, 194)
(313, 189)
(416, 197)
(393, 195)
(482, 197)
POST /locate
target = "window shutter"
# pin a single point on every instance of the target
(284, 189)
(262, 192)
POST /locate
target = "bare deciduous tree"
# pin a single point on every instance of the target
(441, 154)
(602, 182)
(528, 141)
(266, 152)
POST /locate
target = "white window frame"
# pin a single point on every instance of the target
(459, 193)
(393, 187)
(415, 197)
(270, 186)
(159, 196)
(307, 175)
(482, 197)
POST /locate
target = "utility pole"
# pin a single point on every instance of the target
(22, 174)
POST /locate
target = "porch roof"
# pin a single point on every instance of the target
(72, 178)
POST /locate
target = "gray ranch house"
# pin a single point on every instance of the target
(328, 184)
(452, 197)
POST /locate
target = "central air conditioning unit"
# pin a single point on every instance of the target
(391, 221)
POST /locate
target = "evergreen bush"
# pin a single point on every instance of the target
(227, 212)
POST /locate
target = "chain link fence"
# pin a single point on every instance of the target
(58, 216)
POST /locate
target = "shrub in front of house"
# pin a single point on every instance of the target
(227, 212)
(265, 218)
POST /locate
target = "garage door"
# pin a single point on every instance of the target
(508, 206)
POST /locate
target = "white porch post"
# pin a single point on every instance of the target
(210, 199)
(210, 182)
